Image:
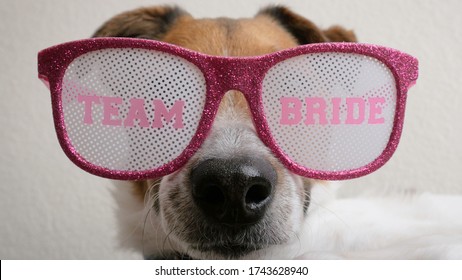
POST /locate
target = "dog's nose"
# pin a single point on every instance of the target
(233, 191)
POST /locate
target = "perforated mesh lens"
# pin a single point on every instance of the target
(131, 109)
(330, 111)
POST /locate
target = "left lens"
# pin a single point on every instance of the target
(131, 109)
(330, 112)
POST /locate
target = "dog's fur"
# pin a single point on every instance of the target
(159, 217)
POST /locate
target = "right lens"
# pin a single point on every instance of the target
(330, 112)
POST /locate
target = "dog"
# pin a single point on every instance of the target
(293, 217)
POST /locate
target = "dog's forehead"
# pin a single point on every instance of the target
(230, 37)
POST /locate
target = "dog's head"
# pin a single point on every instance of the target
(233, 199)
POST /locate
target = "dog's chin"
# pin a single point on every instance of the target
(231, 242)
(234, 250)
(222, 250)
(216, 241)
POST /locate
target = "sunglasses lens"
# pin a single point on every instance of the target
(330, 112)
(131, 109)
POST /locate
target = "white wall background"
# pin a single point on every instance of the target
(50, 209)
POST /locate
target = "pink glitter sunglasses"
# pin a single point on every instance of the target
(133, 109)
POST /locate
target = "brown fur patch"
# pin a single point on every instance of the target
(304, 30)
(340, 34)
(148, 23)
(301, 28)
(140, 189)
(245, 37)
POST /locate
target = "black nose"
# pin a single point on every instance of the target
(233, 191)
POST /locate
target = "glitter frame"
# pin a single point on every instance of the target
(244, 74)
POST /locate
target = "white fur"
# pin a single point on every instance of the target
(418, 226)
(393, 226)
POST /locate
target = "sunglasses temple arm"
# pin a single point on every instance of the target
(45, 65)
(414, 74)
(409, 71)
(44, 79)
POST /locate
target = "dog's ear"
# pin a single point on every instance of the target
(339, 34)
(304, 30)
(147, 23)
